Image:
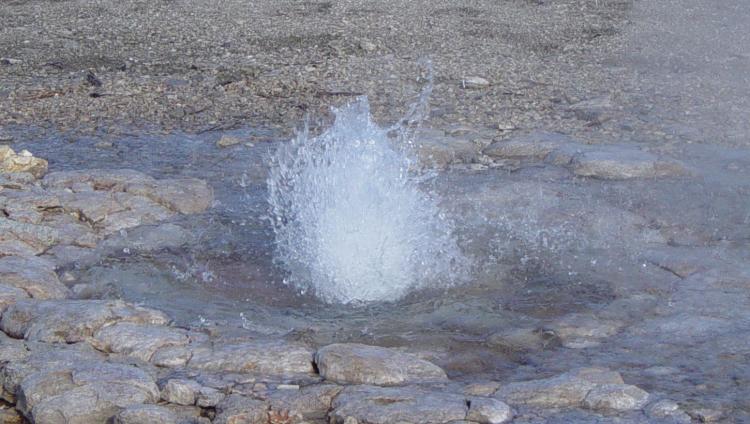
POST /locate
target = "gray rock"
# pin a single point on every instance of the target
(10, 295)
(582, 330)
(146, 414)
(667, 409)
(593, 110)
(181, 392)
(17, 248)
(488, 411)
(620, 163)
(208, 397)
(524, 340)
(172, 356)
(71, 321)
(237, 409)
(354, 363)
(474, 82)
(86, 392)
(482, 389)
(39, 237)
(139, 341)
(36, 276)
(435, 149)
(565, 390)
(66, 256)
(615, 398)
(147, 238)
(227, 141)
(275, 357)
(308, 403)
(386, 405)
(535, 145)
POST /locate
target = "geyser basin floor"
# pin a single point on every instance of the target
(645, 276)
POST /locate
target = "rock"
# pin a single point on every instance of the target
(237, 409)
(354, 363)
(615, 398)
(565, 390)
(66, 256)
(171, 356)
(87, 392)
(534, 145)
(667, 409)
(208, 397)
(386, 405)
(524, 340)
(24, 161)
(275, 357)
(146, 414)
(181, 392)
(474, 82)
(583, 330)
(227, 141)
(308, 403)
(482, 389)
(593, 110)
(147, 238)
(10, 295)
(17, 248)
(435, 149)
(139, 341)
(488, 411)
(620, 163)
(36, 276)
(705, 415)
(11, 416)
(71, 321)
(184, 195)
(39, 237)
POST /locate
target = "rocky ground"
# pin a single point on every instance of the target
(614, 122)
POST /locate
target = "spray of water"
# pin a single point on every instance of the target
(353, 222)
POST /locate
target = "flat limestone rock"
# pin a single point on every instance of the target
(274, 357)
(620, 163)
(565, 390)
(616, 398)
(71, 321)
(435, 149)
(236, 409)
(308, 403)
(534, 145)
(138, 341)
(387, 405)
(353, 363)
(35, 276)
(146, 414)
(38, 236)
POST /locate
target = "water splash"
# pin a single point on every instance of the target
(351, 219)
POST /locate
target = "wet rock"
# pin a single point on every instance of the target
(583, 330)
(385, 405)
(236, 409)
(354, 363)
(535, 145)
(71, 321)
(667, 409)
(184, 195)
(87, 392)
(620, 163)
(474, 82)
(146, 414)
(488, 411)
(10, 162)
(705, 415)
(565, 390)
(139, 341)
(36, 276)
(147, 238)
(435, 149)
(181, 392)
(274, 357)
(482, 389)
(307, 403)
(227, 141)
(524, 340)
(615, 398)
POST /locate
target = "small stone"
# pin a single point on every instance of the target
(474, 82)
(227, 141)
(482, 389)
(615, 398)
(488, 411)
(705, 415)
(208, 397)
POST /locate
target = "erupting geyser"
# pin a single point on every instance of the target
(351, 220)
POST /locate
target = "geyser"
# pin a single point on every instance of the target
(352, 219)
